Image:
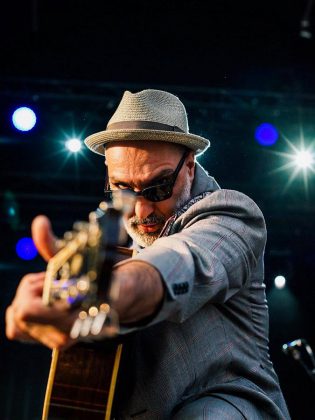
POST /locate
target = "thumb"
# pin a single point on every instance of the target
(43, 237)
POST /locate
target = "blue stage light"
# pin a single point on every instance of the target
(26, 249)
(266, 134)
(24, 118)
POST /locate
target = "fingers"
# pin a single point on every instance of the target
(31, 284)
(28, 305)
(49, 336)
(23, 331)
(58, 315)
(31, 333)
(27, 319)
(12, 330)
(43, 237)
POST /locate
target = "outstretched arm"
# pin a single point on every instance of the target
(27, 319)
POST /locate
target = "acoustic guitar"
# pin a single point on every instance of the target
(82, 379)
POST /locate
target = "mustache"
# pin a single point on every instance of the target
(152, 219)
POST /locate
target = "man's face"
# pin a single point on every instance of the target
(136, 165)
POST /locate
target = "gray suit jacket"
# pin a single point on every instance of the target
(211, 334)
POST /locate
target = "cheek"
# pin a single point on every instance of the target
(166, 208)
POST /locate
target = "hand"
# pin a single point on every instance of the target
(27, 319)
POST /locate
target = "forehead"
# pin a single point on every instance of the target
(140, 159)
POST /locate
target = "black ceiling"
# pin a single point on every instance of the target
(214, 43)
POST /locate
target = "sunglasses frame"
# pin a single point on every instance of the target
(144, 193)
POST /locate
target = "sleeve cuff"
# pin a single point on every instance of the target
(177, 273)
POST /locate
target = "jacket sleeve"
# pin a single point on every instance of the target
(211, 256)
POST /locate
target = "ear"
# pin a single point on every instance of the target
(190, 163)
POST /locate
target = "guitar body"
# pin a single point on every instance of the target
(82, 381)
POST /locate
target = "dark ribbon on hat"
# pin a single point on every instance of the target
(144, 125)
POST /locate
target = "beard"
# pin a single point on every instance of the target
(145, 239)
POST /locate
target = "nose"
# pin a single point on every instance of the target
(143, 208)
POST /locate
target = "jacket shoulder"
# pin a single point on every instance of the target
(222, 202)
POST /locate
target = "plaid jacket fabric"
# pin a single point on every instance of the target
(211, 334)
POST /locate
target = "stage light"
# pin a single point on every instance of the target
(280, 282)
(298, 161)
(266, 134)
(26, 249)
(11, 211)
(303, 159)
(305, 28)
(74, 145)
(24, 118)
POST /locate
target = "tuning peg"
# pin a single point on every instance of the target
(86, 326)
(79, 226)
(100, 319)
(77, 326)
(68, 236)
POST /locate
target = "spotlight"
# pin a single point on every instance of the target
(305, 24)
(300, 160)
(266, 134)
(303, 159)
(11, 209)
(24, 118)
(74, 145)
(26, 249)
(280, 282)
(305, 31)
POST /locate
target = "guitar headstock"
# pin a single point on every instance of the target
(79, 275)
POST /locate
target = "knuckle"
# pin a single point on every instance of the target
(26, 280)
(63, 340)
(31, 277)
(21, 314)
(28, 277)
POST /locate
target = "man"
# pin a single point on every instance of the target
(193, 298)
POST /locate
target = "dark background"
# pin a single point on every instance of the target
(234, 65)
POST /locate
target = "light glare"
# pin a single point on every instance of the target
(280, 282)
(24, 118)
(303, 159)
(74, 145)
(299, 161)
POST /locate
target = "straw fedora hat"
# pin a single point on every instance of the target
(150, 115)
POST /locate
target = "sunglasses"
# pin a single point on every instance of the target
(158, 192)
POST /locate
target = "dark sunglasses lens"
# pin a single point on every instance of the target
(158, 192)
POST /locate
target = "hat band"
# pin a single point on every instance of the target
(144, 125)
